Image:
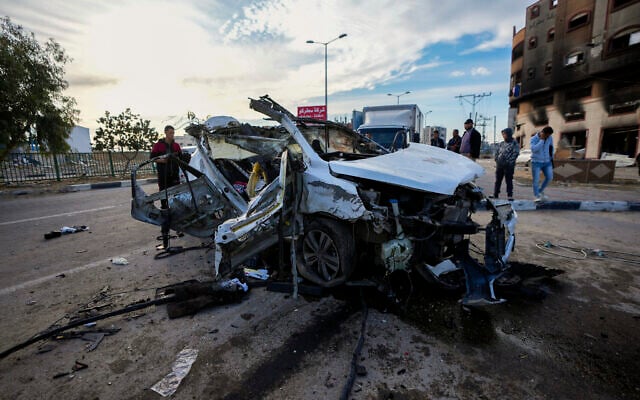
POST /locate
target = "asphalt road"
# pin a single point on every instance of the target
(29, 258)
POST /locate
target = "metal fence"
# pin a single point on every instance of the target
(25, 167)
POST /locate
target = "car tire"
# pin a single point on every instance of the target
(326, 252)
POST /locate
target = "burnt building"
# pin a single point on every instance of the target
(576, 67)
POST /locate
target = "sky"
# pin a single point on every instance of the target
(164, 59)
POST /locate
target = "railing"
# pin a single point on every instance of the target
(25, 167)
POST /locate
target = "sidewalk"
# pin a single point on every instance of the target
(622, 195)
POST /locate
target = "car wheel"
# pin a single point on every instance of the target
(326, 252)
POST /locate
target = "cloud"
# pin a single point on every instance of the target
(480, 71)
(164, 58)
(91, 80)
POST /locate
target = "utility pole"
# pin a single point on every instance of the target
(482, 121)
(475, 99)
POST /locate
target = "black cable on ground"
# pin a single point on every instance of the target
(172, 251)
(346, 390)
(53, 332)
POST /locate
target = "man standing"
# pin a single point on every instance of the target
(471, 140)
(436, 140)
(168, 172)
(454, 142)
(541, 160)
(505, 157)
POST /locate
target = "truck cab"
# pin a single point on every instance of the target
(391, 137)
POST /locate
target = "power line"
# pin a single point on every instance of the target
(475, 100)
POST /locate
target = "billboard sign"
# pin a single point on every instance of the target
(316, 112)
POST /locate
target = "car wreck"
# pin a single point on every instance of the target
(343, 209)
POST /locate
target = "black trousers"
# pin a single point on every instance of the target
(506, 172)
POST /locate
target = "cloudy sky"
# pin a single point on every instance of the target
(165, 58)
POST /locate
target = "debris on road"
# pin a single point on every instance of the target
(180, 368)
(65, 230)
(119, 261)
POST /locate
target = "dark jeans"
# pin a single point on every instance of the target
(506, 172)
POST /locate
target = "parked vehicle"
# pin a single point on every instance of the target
(342, 208)
(392, 126)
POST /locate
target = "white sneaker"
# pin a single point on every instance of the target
(538, 199)
(544, 196)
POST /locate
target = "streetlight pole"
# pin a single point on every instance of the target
(398, 95)
(325, 44)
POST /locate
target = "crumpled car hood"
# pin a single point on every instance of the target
(419, 166)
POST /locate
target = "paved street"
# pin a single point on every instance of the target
(572, 336)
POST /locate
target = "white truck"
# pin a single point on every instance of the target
(392, 126)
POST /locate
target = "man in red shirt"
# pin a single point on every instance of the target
(168, 173)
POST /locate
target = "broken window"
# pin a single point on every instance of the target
(578, 21)
(624, 40)
(533, 42)
(535, 12)
(551, 34)
(574, 58)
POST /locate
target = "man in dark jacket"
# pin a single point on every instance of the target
(471, 140)
(168, 171)
(454, 143)
(437, 140)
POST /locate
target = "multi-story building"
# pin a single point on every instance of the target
(576, 67)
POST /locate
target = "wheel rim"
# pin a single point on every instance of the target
(321, 254)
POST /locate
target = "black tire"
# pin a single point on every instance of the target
(326, 252)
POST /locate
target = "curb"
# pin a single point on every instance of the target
(107, 185)
(571, 205)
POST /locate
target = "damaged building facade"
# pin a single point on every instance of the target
(575, 67)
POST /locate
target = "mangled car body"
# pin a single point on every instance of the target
(347, 209)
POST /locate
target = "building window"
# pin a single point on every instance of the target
(578, 21)
(535, 12)
(575, 116)
(553, 4)
(533, 42)
(551, 34)
(574, 58)
(531, 73)
(624, 40)
(517, 51)
(543, 101)
(578, 93)
(547, 68)
(618, 4)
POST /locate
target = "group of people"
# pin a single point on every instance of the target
(505, 156)
(468, 144)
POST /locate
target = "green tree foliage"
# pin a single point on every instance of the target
(31, 91)
(126, 131)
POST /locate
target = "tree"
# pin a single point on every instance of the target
(124, 132)
(31, 91)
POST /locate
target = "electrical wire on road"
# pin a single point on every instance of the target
(581, 253)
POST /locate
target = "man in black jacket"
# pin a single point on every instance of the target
(471, 140)
(437, 140)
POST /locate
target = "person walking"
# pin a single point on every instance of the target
(436, 140)
(471, 140)
(542, 160)
(454, 142)
(505, 157)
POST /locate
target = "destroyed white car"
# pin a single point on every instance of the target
(344, 209)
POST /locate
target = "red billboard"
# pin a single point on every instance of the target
(316, 112)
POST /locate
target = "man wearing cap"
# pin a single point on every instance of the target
(471, 140)
(542, 160)
(505, 157)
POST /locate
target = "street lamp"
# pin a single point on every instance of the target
(398, 95)
(325, 67)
